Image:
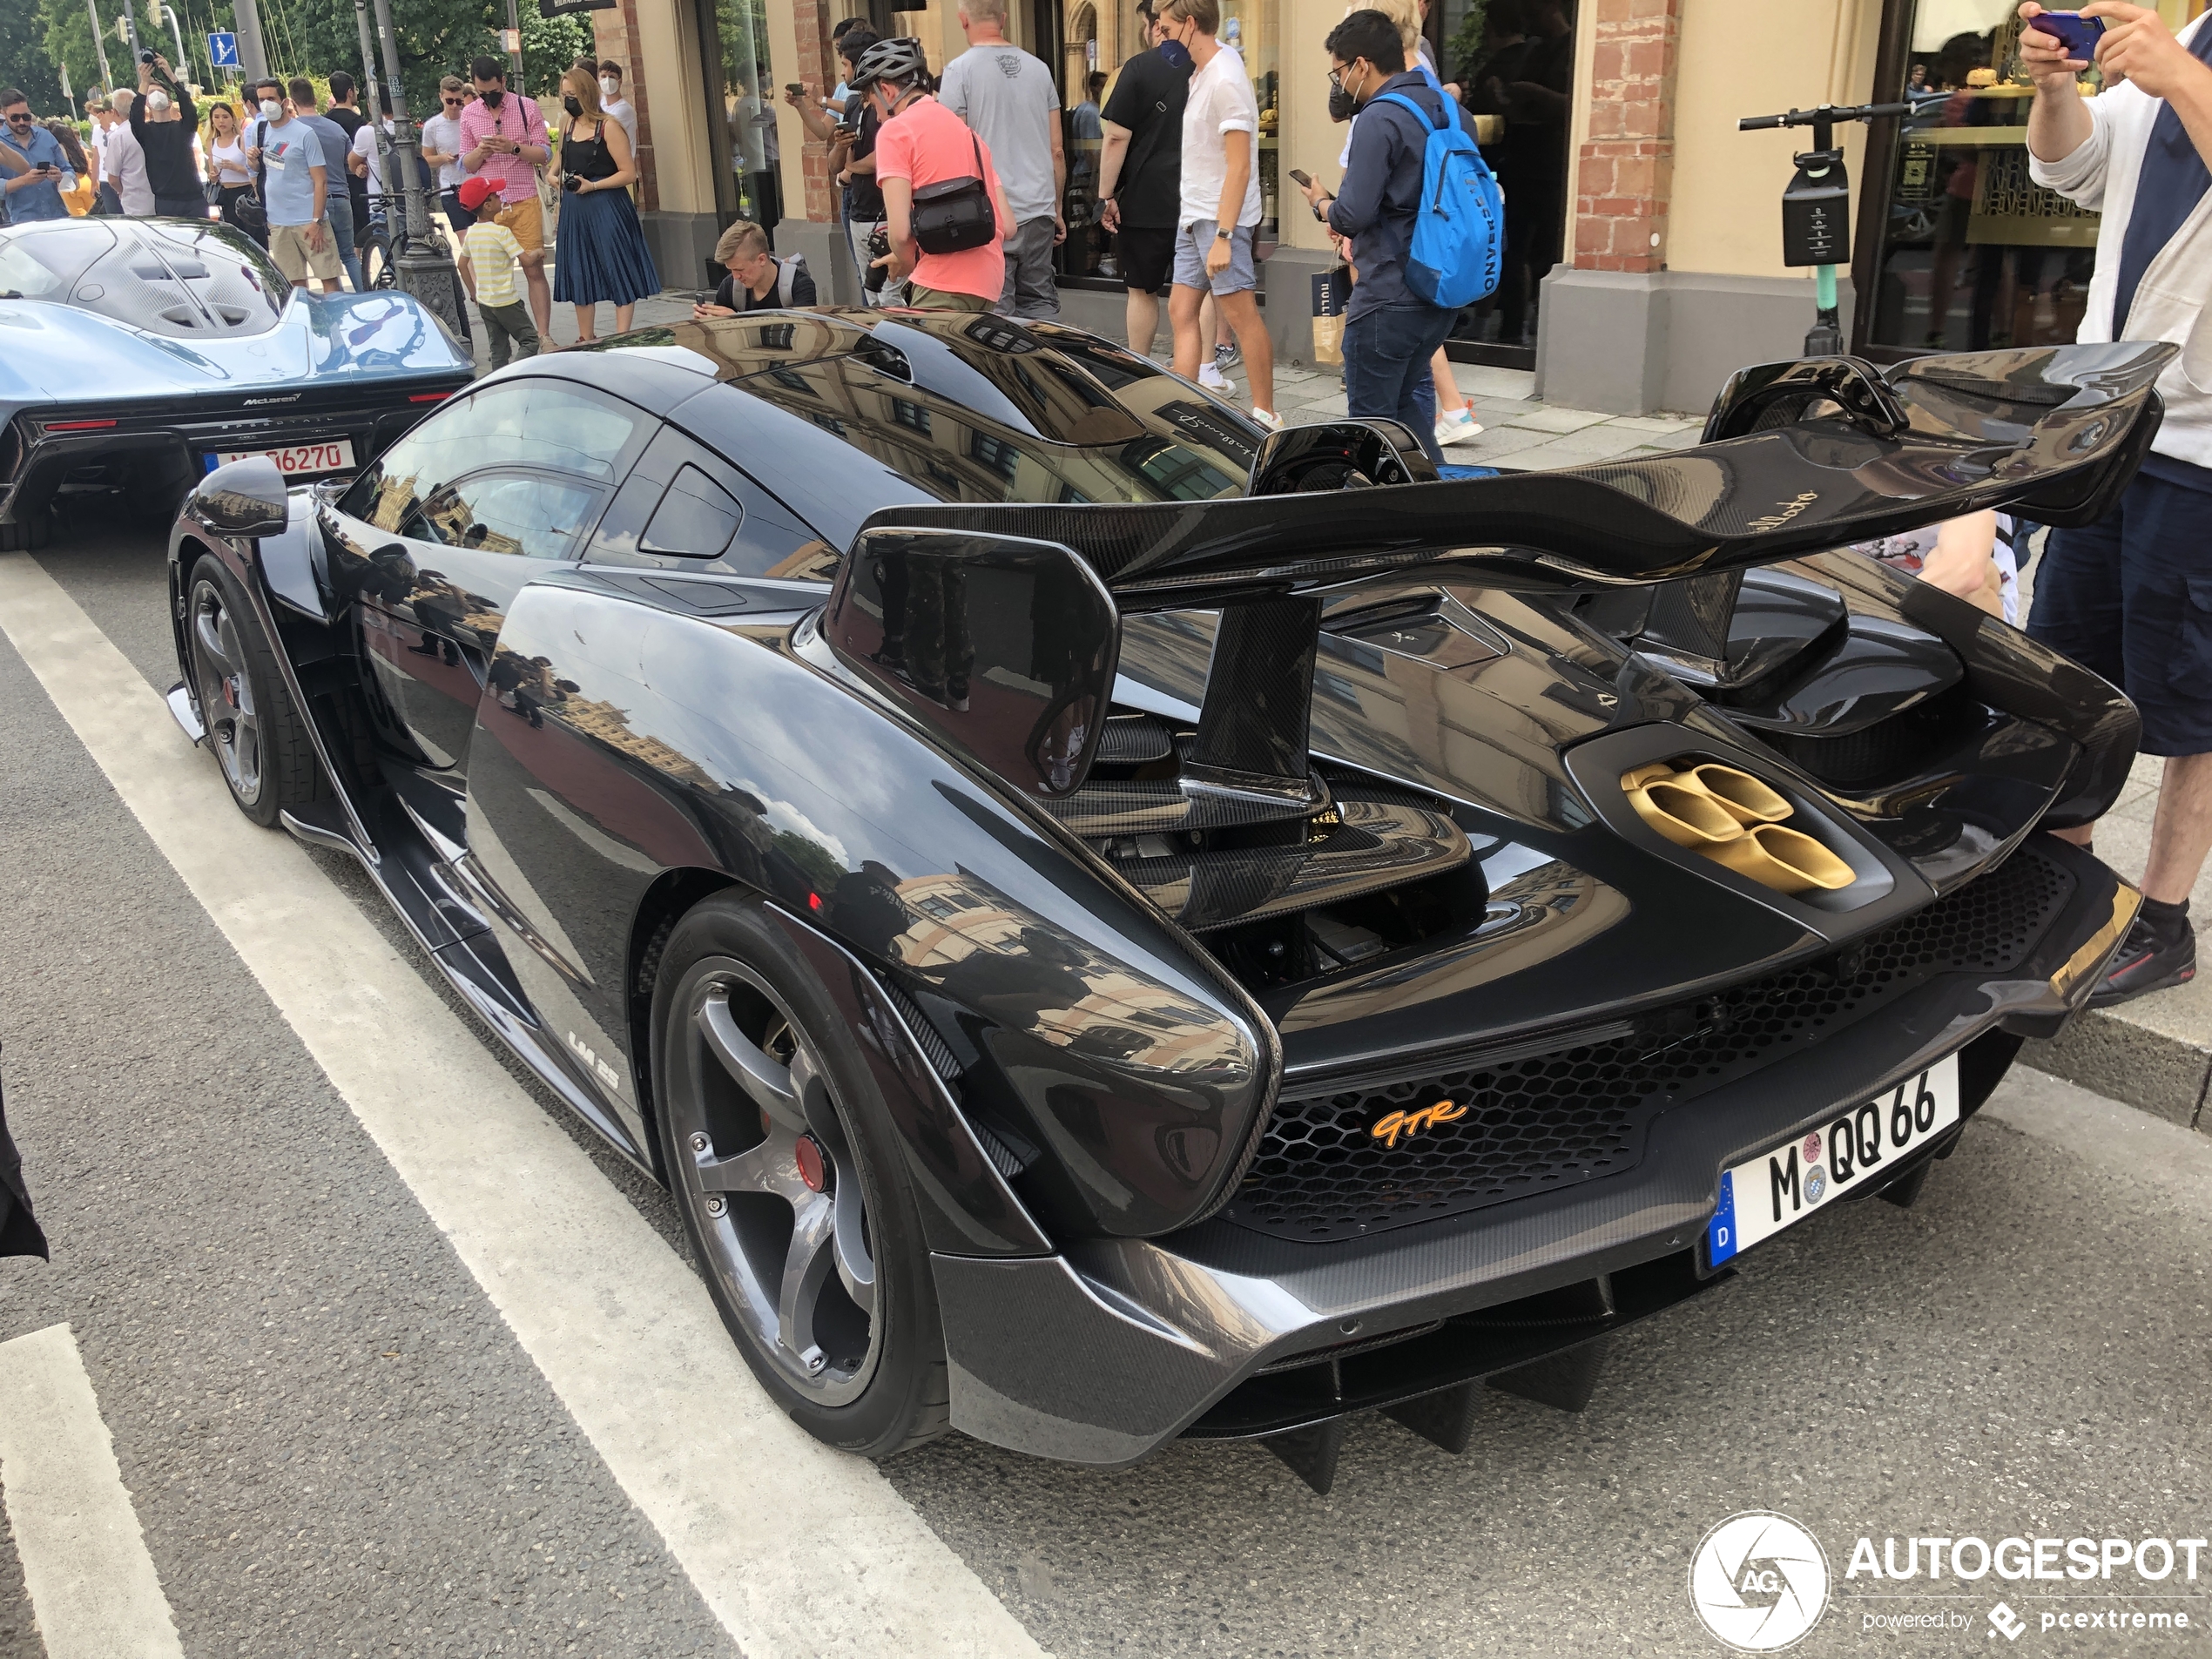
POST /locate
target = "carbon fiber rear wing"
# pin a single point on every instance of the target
(979, 622)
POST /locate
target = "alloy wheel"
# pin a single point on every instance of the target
(767, 1170)
(226, 692)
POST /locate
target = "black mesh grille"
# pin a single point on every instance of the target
(1558, 1119)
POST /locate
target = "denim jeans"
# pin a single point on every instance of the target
(338, 215)
(1386, 368)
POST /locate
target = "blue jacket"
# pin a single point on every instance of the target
(1382, 189)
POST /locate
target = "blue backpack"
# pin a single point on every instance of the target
(1458, 231)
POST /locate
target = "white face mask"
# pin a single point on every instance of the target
(157, 102)
(609, 87)
(270, 109)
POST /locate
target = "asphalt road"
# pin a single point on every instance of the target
(336, 1445)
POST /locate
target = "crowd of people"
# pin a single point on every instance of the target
(307, 178)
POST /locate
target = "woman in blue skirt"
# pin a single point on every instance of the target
(599, 254)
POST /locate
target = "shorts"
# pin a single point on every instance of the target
(1147, 256)
(526, 219)
(288, 247)
(1192, 243)
(922, 299)
(2129, 597)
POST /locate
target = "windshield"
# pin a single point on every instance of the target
(41, 265)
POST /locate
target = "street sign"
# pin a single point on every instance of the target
(222, 51)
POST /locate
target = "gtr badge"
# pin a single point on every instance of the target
(1389, 1127)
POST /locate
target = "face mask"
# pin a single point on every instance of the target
(157, 102)
(1342, 106)
(1176, 55)
(491, 98)
(609, 87)
(572, 103)
(270, 109)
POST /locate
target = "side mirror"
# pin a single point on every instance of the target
(1005, 647)
(246, 498)
(1340, 455)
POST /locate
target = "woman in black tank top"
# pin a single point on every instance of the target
(599, 254)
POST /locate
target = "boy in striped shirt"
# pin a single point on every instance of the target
(488, 255)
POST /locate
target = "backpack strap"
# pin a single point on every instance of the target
(1402, 102)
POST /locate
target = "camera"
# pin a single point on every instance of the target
(878, 246)
(146, 58)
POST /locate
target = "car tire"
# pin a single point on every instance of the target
(255, 732)
(29, 535)
(816, 1260)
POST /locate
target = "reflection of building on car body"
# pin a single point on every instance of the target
(1054, 1020)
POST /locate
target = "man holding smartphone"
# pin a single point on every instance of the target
(2131, 596)
(34, 162)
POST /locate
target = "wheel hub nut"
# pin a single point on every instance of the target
(716, 1203)
(813, 1168)
(700, 1144)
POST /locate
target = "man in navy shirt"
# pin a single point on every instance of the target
(2131, 596)
(33, 164)
(1390, 332)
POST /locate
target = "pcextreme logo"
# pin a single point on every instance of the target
(1759, 1581)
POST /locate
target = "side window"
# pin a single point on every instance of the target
(553, 424)
(695, 519)
(526, 514)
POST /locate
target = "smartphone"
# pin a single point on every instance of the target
(795, 88)
(2078, 34)
(1304, 180)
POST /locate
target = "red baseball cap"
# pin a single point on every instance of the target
(473, 192)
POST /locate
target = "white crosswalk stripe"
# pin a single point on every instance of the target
(93, 1588)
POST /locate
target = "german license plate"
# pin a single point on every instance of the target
(1863, 1143)
(300, 461)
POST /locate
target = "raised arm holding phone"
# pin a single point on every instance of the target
(2121, 595)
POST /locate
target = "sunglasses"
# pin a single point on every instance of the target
(453, 103)
(19, 120)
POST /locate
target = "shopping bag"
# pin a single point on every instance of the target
(1332, 293)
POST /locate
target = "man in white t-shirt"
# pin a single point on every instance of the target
(1217, 225)
(443, 149)
(613, 104)
(122, 163)
(1009, 98)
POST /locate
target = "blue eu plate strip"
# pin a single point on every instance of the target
(1720, 1236)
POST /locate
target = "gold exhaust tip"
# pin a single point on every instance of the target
(1784, 859)
(1743, 797)
(1686, 817)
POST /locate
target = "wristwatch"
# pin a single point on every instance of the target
(1220, 235)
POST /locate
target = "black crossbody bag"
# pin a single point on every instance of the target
(955, 215)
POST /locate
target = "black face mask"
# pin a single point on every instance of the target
(491, 98)
(1341, 104)
(572, 103)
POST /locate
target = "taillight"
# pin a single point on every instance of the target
(77, 426)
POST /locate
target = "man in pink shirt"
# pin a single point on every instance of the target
(923, 143)
(502, 138)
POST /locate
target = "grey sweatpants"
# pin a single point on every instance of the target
(1029, 289)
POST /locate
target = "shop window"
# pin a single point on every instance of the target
(1084, 39)
(1513, 62)
(1969, 253)
(744, 106)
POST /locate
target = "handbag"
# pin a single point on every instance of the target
(248, 212)
(1332, 293)
(955, 215)
(548, 193)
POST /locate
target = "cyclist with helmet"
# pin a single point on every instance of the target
(922, 143)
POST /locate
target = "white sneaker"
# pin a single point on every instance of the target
(1212, 378)
(1269, 419)
(1457, 427)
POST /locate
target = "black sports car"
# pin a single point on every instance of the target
(1114, 925)
(138, 354)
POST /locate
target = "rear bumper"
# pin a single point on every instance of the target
(156, 446)
(1102, 1354)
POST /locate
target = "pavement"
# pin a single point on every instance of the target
(318, 1376)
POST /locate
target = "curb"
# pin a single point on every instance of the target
(2127, 1059)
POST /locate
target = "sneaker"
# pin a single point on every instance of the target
(2150, 958)
(1269, 419)
(1458, 425)
(1227, 357)
(1211, 378)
